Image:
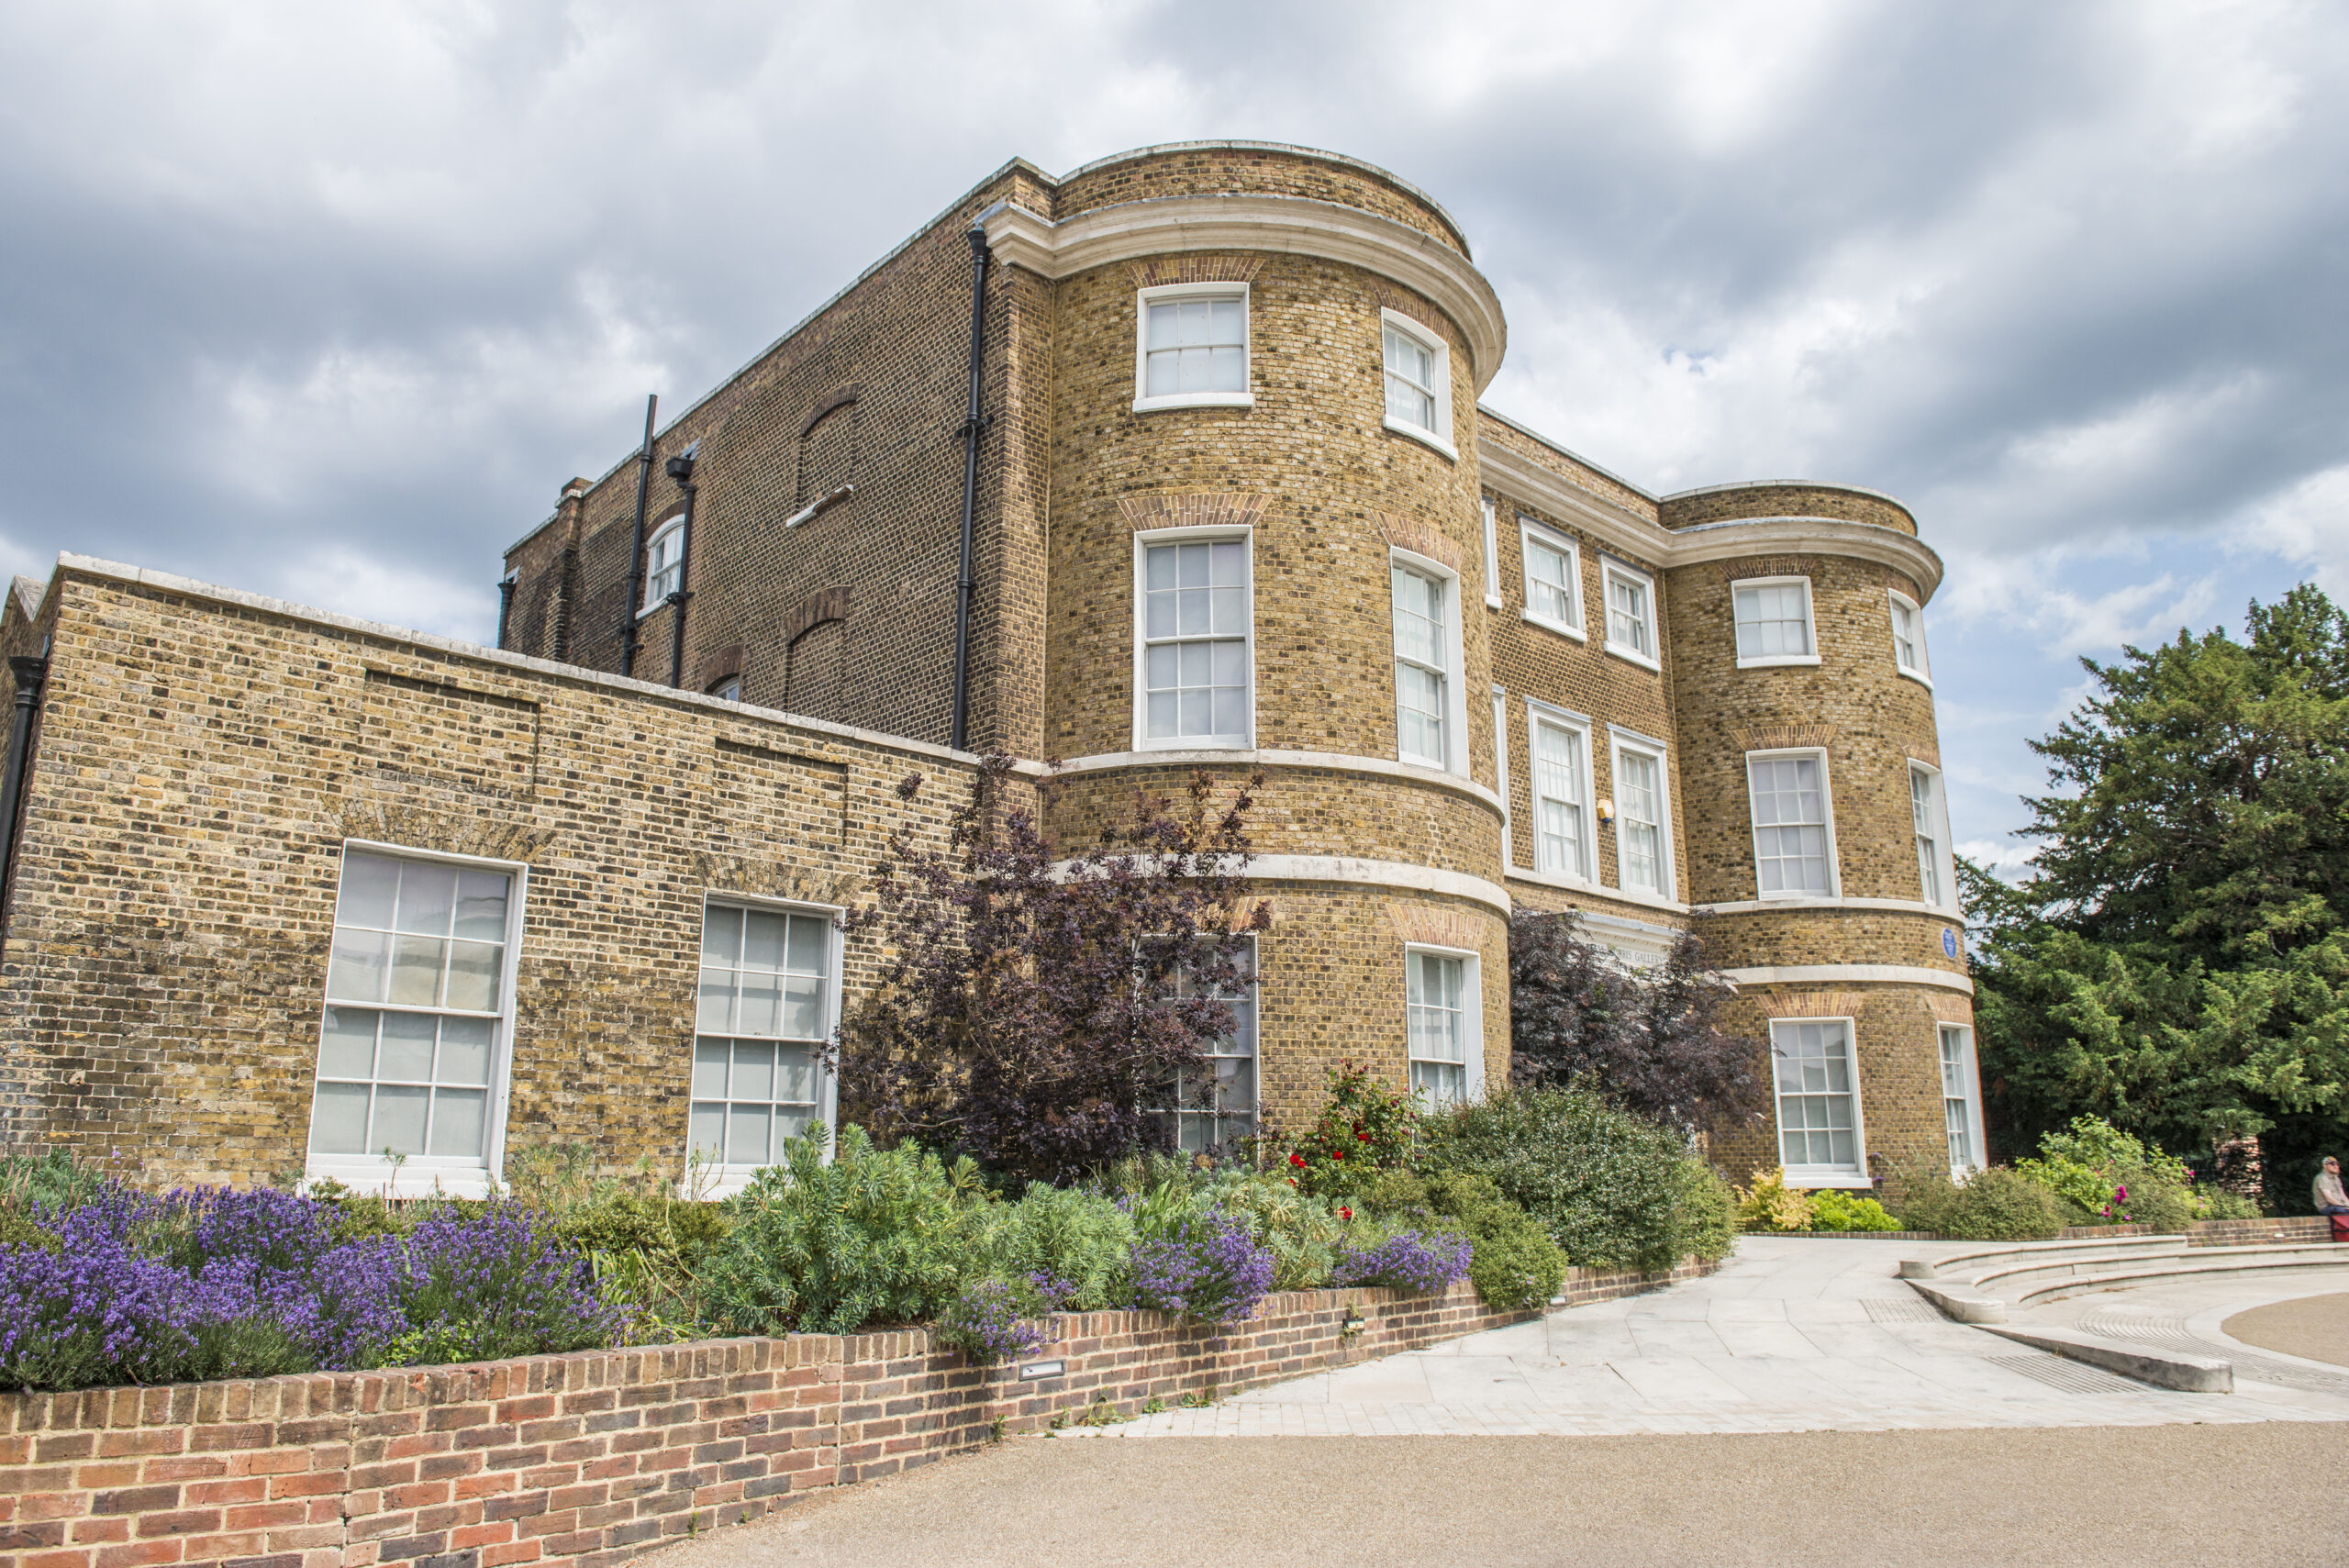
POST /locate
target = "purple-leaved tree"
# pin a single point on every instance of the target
(1650, 1039)
(1028, 1015)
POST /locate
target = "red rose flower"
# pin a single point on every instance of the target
(1298, 1161)
(1344, 1213)
(1362, 1136)
(1337, 1154)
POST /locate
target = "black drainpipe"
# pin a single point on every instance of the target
(974, 423)
(681, 469)
(505, 605)
(30, 675)
(636, 560)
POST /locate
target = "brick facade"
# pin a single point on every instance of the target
(822, 576)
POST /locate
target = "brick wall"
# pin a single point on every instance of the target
(596, 1457)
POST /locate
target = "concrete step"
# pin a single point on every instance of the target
(2275, 1260)
(1965, 1264)
(2017, 1283)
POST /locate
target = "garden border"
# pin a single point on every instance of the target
(2198, 1232)
(597, 1456)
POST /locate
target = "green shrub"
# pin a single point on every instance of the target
(1058, 1250)
(2218, 1203)
(1512, 1260)
(876, 1236)
(2105, 1176)
(1364, 1126)
(1771, 1205)
(1302, 1230)
(1833, 1210)
(1708, 1211)
(1995, 1205)
(1612, 1189)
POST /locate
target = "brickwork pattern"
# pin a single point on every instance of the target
(1728, 502)
(1154, 173)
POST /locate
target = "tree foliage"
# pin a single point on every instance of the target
(1029, 1013)
(1651, 1040)
(2179, 961)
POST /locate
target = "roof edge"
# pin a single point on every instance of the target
(1322, 154)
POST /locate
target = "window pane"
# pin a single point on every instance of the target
(355, 972)
(347, 1049)
(406, 1054)
(1161, 325)
(714, 1013)
(762, 935)
(803, 1007)
(760, 1008)
(339, 1119)
(753, 1071)
(707, 1131)
(721, 935)
(481, 905)
(795, 1075)
(416, 970)
(464, 1050)
(746, 1134)
(473, 975)
(806, 953)
(370, 883)
(457, 1117)
(709, 1069)
(428, 897)
(399, 1120)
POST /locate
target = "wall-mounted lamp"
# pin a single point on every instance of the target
(1606, 812)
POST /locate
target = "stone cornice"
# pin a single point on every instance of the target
(1283, 224)
(1522, 478)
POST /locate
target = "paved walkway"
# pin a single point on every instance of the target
(1791, 1334)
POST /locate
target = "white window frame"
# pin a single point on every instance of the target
(1255, 1113)
(421, 1175)
(1815, 1176)
(660, 536)
(1923, 671)
(1142, 741)
(1809, 623)
(1164, 294)
(1621, 741)
(1472, 1017)
(717, 1179)
(1946, 854)
(1455, 696)
(1440, 437)
(1611, 569)
(1827, 808)
(1492, 550)
(1500, 769)
(1970, 1072)
(1531, 535)
(1538, 712)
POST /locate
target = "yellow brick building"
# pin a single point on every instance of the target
(1173, 463)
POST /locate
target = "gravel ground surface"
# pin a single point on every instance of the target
(2144, 1495)
(2316, 1327)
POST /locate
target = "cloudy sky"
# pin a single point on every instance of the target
(326, 301)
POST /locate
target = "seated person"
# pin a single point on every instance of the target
(2329, 1198)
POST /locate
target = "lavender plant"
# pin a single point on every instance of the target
(985, 1324)
(1204, 1266)
(1409, 1260)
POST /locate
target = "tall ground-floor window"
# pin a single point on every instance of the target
(1443, 1032)
(418, 1014)
(769, 988)
(1819, 1101)
(1214, 1110)
(1961, 1107)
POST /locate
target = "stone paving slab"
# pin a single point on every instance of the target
(1782, 1339)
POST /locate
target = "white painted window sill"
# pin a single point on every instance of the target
(1425, 436)
(1193, 743)
(1492, 601)
(819, 505)
(409, 1180)
(1816, 900)
(1924, 681)
(1196, 400)
(1778, 661)
(1629, 657)
(659, 604)
(1850, 1180)
(1561, 627)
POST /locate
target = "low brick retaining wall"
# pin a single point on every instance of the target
(593, 1458)
(2302, 1228)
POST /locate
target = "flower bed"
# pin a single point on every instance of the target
(590, 1457)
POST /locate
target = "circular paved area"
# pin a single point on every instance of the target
(2314, 1327)
(2145, 1497)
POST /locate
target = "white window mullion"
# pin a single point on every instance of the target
(1820, 1131)
(1908, 638)
(1773, 621)
(1191, 347)
(1492, 557)
(1630, 612)
(768, 989)
(1794, 836)
(1428, 709)
(1562, 798)
(1443, 1032)
(1418, 372)
(1961, 1101)
(1642, 819)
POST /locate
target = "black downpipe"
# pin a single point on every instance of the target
(30, 675)
(974, 423)
(681, 469)
(636, 558)
(505, 607)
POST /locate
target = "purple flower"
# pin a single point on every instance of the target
(985, 1324)
(1411, 1260)
(1206, 1267)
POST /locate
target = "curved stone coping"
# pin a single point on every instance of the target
(1851, 974)
(1295, 224)
(1325, 762)
(1792, 906)
(2120, 1278)
(1955, 1263)
(2006, 1281)
(1395, 874)
(1785, 484)
(1649, 542)
(1314, 154)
